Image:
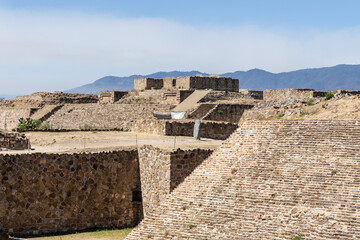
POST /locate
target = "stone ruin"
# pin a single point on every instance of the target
(188, 83)
(109, 97)
(13, 141)
(269, 179)
(40, 99)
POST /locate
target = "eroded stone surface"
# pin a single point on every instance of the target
(269, 180)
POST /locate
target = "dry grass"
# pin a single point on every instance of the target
(97, 235)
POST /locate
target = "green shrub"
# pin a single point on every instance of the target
(28, 124)
(309, 102)
(45, 126)
(297, 237)
(329, 95)
(87, 127)
(220, 112)
(303, 113)
(280, 115)
(191, 226)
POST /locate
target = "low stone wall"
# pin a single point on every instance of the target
(9, 117)
(39, 99)
(288, 93)
(162, 171)
(227, 112)
(231, 96)
(215, 83)
(255, 94)
(151, 126)
(13, 141)
(103, 117)
(46, 193)
(209, 129)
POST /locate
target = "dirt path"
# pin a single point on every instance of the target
(110, 140)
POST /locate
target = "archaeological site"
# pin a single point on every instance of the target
(272, 164)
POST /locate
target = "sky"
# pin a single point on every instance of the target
(50, 45)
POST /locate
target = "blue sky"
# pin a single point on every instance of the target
(48, 45)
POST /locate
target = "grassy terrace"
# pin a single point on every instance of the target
(101, 235)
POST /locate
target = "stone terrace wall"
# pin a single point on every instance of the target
(110, 96)
(44, 193)
(9, 117)
(288, 93)
(103, 117)
(162, 171)
(269, 180)
(155, 176)
(201, 111)
(148, 83)
(183, 162)
(10, 140)
(40, 99)
(222, 84)
(227, 112)
(209, 129)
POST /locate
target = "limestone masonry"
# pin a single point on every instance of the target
(46, 193)
(161, 172)
(188, 82)
(269, 180)
(11, 140)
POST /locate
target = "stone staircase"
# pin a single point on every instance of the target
(202, 110)
(269, 180)
(45, 112)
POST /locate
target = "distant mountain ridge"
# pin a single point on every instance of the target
(327, 78)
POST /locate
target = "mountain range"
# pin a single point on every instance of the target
(327, 78)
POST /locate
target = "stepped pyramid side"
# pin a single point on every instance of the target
(269, 180)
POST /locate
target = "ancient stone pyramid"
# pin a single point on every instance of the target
(269, 180)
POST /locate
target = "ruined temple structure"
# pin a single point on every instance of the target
(268, 180)
(110, 96)
(188, 82)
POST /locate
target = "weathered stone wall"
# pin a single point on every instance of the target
(11, 140)
(40, 99)
(9, 117)
(183, 94)
(169, 83)
(148, 83)
(197, 82)
(162, 171)
(209, 129)
(183, 82)
(255, 94)
(201, 110)
(230, 96)
(269, 180)
(110, 96)
(155, 176)
(183, 162)
(288, 93)
(151, 126)
(103, 117)
(45, 193)
(227, 112)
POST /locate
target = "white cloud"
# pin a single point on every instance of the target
(49, 51)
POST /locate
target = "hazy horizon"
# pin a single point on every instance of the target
(58, 45)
